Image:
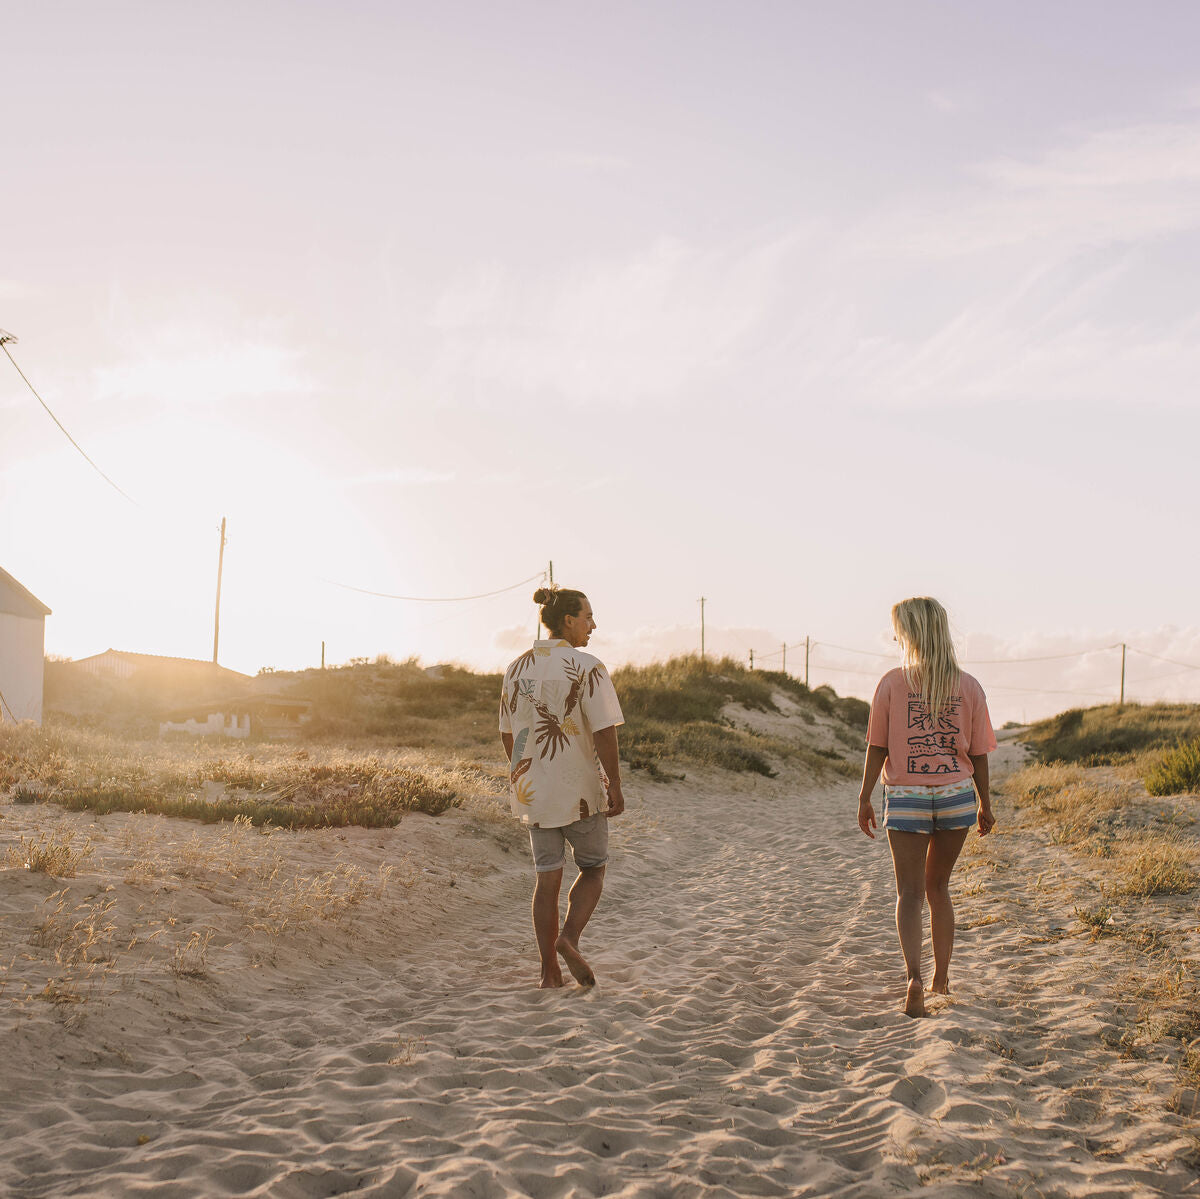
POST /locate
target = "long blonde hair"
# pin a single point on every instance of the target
(929, 663)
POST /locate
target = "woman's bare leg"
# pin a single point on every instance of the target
(944, 847)
(909, 851)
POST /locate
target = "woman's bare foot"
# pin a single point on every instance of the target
(551, 978)
(940, 986)
(914, 1000)
(576, 962)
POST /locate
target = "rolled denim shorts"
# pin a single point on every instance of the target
(927, 809)
(589, 844)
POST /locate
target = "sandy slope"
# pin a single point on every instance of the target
(745, 1038)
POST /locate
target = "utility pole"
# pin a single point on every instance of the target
(751, 659)
(702, 628)
(1122, 673)
(217, 618)
(322, 655)
(550, 572)
(806, 649)
(785, 657)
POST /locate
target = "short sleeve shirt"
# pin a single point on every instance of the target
(553, 698)
(924, 750)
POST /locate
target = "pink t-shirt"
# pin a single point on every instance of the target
(924, 751)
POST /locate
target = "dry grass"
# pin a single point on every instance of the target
(1079, 805)
(198, 779)
(1154, 864)
(190, 957)
(54, 851)
(299, 902)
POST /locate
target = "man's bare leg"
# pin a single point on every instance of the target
(908, 860)
(581, 903)
(944, 848)
(545, 924)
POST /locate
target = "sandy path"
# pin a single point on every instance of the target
(745, 1039)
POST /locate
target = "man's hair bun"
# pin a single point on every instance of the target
(557, 604)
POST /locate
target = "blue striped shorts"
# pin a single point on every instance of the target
(926, 809)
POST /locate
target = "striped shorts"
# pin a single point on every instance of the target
(926, 809)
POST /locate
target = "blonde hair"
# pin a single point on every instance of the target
(929, 663)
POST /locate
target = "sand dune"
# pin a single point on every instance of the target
(745, 1038)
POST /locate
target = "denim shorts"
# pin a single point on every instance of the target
(927, 809)
(588, 838)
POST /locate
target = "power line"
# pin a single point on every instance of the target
(5, 338)
(1083, 653)
(866, 653)
(438, 599)
(1160, 658)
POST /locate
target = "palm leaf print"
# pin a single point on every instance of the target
(550, 735)
(522, 767)
(525, 792)
(522, 664)
(519, 745)
(593, 679)
(574, 672)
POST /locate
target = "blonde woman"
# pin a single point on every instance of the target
(930, 735)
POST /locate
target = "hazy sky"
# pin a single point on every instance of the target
(801, 307)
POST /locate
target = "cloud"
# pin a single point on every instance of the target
(401, 476)
(1020, 281)
(671, 317)
(203, 374)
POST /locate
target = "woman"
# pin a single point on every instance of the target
(930, 734)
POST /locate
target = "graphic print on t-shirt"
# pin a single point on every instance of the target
(934, 749)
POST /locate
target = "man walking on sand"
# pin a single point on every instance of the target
(558, 722)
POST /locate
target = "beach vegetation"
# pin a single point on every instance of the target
(1154, 864)
(58, 852)
(1177, 770)
(1112, 734)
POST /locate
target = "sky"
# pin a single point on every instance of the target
(799, 307)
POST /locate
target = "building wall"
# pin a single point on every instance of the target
(109, 664)
(22, 666)
(216, 724)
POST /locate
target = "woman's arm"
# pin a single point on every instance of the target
(872, 765)
(983, 784)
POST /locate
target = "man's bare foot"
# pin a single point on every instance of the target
(551, 978)
(576, 962)
(914, 1000)
(940, 986)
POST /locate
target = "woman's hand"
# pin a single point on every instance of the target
(986, 820)
(866, 817)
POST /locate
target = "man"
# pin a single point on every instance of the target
(558, 723)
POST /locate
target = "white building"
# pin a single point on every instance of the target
(22, 651)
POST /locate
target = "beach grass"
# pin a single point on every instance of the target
(1112, 734)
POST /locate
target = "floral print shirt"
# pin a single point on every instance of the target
(554, 697)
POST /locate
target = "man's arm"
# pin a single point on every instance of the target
(872, 765)
(605, 741)
(983, 784)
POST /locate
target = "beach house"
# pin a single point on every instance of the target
(22, 651)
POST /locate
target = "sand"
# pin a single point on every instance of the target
(745, 1037)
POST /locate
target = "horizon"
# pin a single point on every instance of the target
(800, 309)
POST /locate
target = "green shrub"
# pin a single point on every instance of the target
(1178, 770)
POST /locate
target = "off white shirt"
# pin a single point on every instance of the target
(553, 698)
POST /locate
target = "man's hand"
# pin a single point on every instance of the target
(616, 802)
(866, 817)
(987, 821)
